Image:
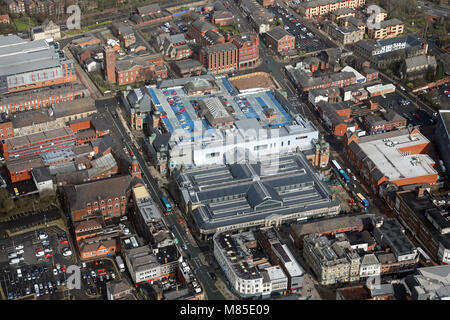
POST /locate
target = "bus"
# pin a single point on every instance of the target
(341, 171)
(363, 200)
(336, 165)
(426, 257)
(166, 204)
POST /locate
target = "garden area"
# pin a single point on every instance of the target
(24, 23)
(225, 29)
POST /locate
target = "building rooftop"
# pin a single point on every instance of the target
(384, 151)
(219, 47)
(303, 80)
(355, 293)
(188, 64)
(320, 226)
(392, 234)
(17, 142)
(123, 28)
(444, 116)
(429, 213)
(177, 102)
(278, 33)
(203, 25)
(145, 205)
(239, 193)
(417, 61)
(390, 22)
(38, 55)
(77, 106)
(129, 62)
(238, 255)
(329, 252)
(24, 164)
(430, 283)
(79, 195)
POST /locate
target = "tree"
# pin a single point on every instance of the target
(6, 203)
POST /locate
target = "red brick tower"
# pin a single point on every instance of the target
(110, 64)
(135, 171)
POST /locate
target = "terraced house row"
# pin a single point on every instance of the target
(321, 7)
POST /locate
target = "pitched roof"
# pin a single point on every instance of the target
(78, 195)
(203, 26)
(278, 33)
(41, 174)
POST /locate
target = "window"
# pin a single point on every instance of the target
(261, 147)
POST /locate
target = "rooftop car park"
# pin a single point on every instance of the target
(180, 111)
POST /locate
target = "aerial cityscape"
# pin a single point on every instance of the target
(230, 150)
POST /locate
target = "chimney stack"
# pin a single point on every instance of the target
(420, 191)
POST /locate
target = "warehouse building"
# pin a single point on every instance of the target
(29, 65)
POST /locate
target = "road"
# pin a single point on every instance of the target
(104, 107)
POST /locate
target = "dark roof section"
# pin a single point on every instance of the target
(278, 33)
(78, 195)
(41, 174)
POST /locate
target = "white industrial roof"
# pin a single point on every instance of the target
(387, 156)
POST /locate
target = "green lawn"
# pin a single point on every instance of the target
(24, 23)
(224, 29)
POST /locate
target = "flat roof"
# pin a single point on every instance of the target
(16, 142)
(391, 161)
(183, 115)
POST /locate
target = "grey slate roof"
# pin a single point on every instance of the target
(41, 174)
(78, 195)
(278, 33)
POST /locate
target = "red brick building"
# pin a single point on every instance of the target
(151, 13)
(4, 18)
(220, 58)
(204, 33)
(109, 67)
(140, 68)
(279, 40)
(248, 46)
(44, 97)
(20, 169)
(133, 69)
(223, 18)
(6, 129)
(15, 6)
(406, 150)
(85, 41)
(34, 7)
(106, 196)
(23, 146)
